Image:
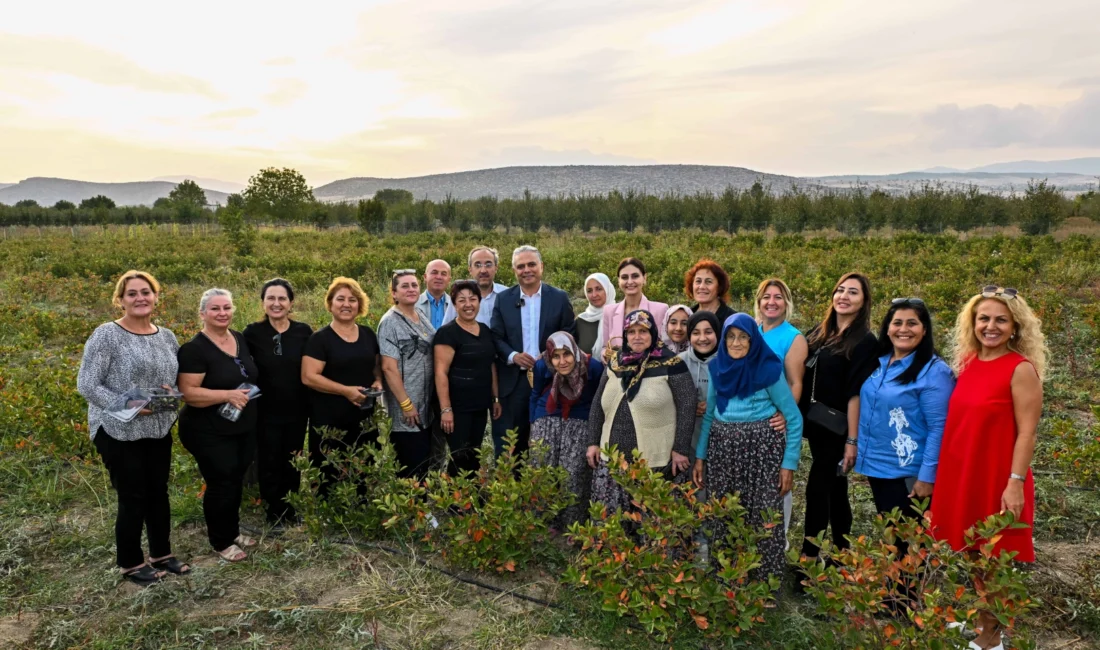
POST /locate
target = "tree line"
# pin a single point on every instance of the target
(282, 197)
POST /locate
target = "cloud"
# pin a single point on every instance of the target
(77, 59)
(987, 126)
(287, 91)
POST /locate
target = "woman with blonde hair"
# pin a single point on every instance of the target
(989, 439)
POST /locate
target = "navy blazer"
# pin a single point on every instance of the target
(556, 315)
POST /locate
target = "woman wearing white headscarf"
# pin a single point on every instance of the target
(600, 292)
(676, 330)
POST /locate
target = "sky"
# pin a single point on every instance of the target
(119, 90)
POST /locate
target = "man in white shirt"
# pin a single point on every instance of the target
(482, 264)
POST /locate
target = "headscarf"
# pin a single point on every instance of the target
(595, 314)
(742, 377)
(565, 389)
(699, 317)
(674, 347)
(630, 366)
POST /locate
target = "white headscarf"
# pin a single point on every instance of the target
(677, 348)
(595, 314)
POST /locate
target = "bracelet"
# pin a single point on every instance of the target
(446, 409)
(496, 400)
(1017, 477)
(852, 441)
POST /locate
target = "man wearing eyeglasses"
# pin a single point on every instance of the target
(482, 264)
(434, 303)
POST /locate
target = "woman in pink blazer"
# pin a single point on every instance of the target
(632, 277)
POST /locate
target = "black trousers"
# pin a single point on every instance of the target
(414, 451)
(139, 475)
(466, 440)
(515, 407)
(890, 493)
(826, 493)
(439, 442)
(222, 462)
(277, 440)
(354, 435)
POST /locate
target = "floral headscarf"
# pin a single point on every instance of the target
(657, 360)
(565, 389)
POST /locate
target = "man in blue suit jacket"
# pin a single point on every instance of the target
(524, 316)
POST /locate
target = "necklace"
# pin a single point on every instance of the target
(350, 335)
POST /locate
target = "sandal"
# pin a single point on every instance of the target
(245, 542)
(171, 565)
(143, 576)
(232, 553)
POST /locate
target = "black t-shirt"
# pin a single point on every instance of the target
(220, 371)
(839, 377)
(471, 373)
(350, 364)
(280, 374)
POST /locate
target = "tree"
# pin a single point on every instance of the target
(279, 193)
(393, 197)
(163, 203)
(64, 205)
(26, 203)
(372, 216)
(97, 201)
(188, 193)
(1043, 209)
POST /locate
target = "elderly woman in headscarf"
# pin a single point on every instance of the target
(563, 383)
(599, 292)
(645, 405)
(742, 451)
(676, 328)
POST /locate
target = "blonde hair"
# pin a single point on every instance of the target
(1028, 339)
(204, 300)
(120, 286)
(352, 286)
(788, 298)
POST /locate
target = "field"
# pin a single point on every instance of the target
(58, 585)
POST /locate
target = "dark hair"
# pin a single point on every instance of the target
(631, 261)
(926, 349)
(277, 282)
(828, 333)
(465, 285)
(720, 275)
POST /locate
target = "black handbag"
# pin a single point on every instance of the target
(824, 416)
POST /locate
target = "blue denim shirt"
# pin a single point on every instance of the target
(901, 425)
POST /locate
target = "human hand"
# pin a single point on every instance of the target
(355, 395)
(447, 421)
(593, 456)
(850, 452)
(238, 397)
(524, 360)
(1012, 500)
(778, 422)
(498, 410)
(921, 490)
(701, 408)
(412, 416)
(697, 473)
(680, 463)
(786, 482)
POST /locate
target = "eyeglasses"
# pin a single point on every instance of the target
(278, 341)
(906, 301)
(240, 366)
(484, 265)
(397, 272)
(993, 290)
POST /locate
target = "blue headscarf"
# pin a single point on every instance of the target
(741, 378)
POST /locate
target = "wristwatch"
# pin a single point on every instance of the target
(1017, 477)
(852, 441)
(446, 409)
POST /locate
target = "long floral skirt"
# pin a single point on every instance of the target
(745, 458)
(566, 442)
(606, 491)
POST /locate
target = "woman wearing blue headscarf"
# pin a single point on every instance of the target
(741, 451)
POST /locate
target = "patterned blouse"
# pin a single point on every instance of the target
(410, 344)
(116, 360)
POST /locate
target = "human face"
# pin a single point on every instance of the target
(631, 280)
(437, 276)
(276, 302)
(703, 338)
(677, 326)
(737, 343)
(483, 269)
(528, 270)
(638, 338)
(704, 287)
(563, 360)
(345, 305)
(138, 298)
(848, 298)
(773, 306)
(467, 305)
(993, 324)
(407, 291)
(219, 313)
(597, 297)
(905, 331)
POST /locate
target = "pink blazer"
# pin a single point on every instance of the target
(613, 319)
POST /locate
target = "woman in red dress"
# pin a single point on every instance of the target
(989, 439)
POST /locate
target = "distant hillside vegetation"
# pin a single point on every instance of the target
(508, 182)
(47, 191)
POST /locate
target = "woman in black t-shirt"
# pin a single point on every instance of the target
(841, 357)
(341, 360)
(464, 368)
(277, 344)
(212, 367)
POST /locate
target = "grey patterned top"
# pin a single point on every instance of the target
(411, 345)
(115, 360)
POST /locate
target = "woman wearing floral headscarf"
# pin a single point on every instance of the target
(599, 292)
(676, 329)
(644, 383)
(742, 452)
(563, 383)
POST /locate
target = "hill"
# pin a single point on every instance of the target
(509, 182)
(993, 183)
(47, 191)
(208, 184)
(1086, 166)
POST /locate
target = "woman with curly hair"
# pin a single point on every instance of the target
(708, 284)
(989, 440)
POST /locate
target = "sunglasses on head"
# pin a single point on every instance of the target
(906, 301)
(397, 272)
(993, 291)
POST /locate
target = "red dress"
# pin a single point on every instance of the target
(976, 458)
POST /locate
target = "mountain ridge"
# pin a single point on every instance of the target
(47, 191)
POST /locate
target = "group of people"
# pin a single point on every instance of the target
(699, 392)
